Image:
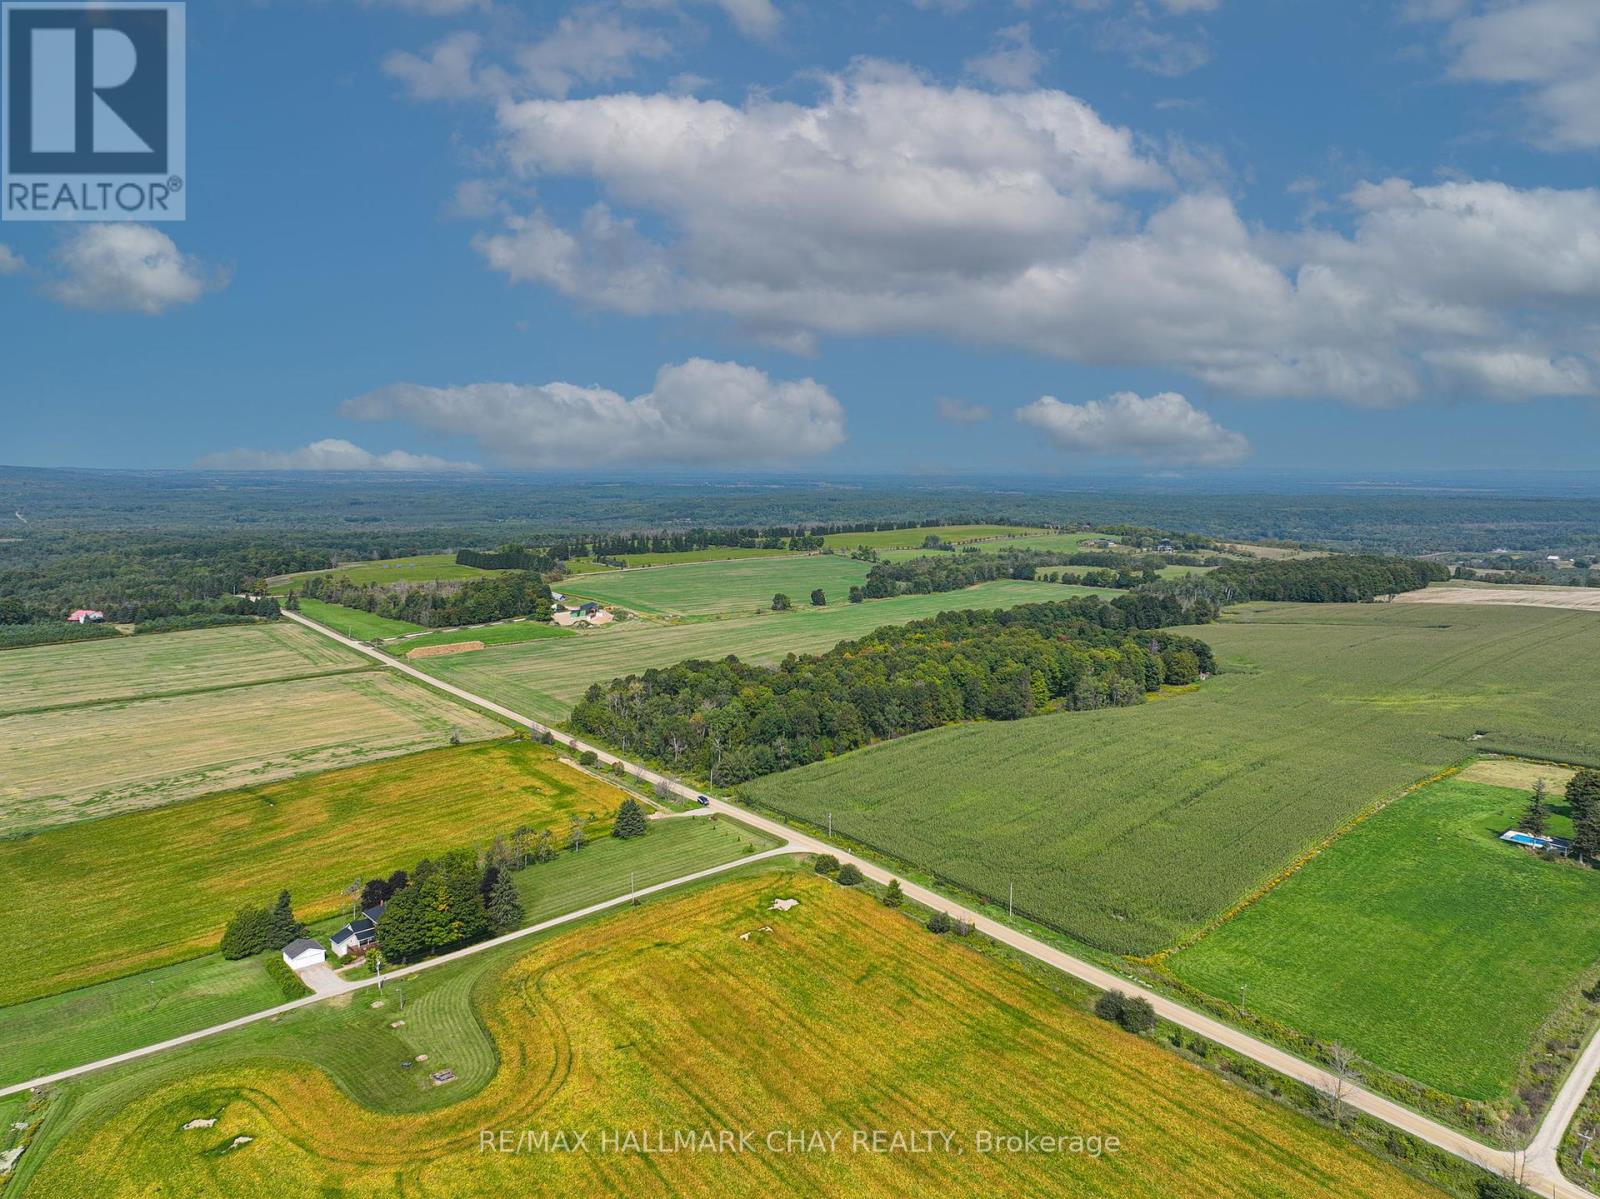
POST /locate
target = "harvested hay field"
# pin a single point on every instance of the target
(92, 672)
(1581, 599)
(1518, 774)
(444, 651)
(846, 1016)
(57, 768)
(159, 886)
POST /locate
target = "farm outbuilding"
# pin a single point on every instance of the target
(86, 616)
(304, 953)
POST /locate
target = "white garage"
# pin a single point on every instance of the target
(304, 953)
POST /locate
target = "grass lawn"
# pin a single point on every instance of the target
(125, 756)
(545, 678)
(122, 1014)
(1418, 939)
(913, 538)
(506, 633)
(717, 588)
(846, 1015)
(159, 886)
(353, 622)
(90, 672)
(1128, 828)
(420, 568)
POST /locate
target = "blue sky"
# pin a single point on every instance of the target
(1060, 237)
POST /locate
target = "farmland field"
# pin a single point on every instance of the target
(1582, 599)
(545, 678)
(159, 885)
(419, 568)
(353, 622)
(61, 676)
(1418, 939)
(846, 1015)
(123, 1013)
(1128, 828)
(714, 588)
(505, 633)
(715, 553)
(911, 538)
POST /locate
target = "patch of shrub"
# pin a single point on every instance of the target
(826, 863)
(1131, 1012)
(849, 876)
(939, 923)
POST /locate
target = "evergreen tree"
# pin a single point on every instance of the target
(849, 875)
(819, 599)
(781, 603)
(400, 934)
(1586, 835)
(894, 896)
(630, 820)
(285, 927)
(939, 922)
(248, 933)
(505, 906)
(1536, 818)
(1583, 793)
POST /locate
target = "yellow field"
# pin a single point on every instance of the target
(1582, 599)
(61, 766)
(102, 900)
(1513, 772)
(58, 676)
(845, 1018)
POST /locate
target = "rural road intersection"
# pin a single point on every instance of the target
(1537, 1168)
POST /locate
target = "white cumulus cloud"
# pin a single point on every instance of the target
(1161, 430)
(1549, 48)
(10, 261)
(699, 413)
(893, 205)
(128, 268)
(1012, 61)
(332, 453)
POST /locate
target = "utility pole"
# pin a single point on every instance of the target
(1011, 901)
(830, 826)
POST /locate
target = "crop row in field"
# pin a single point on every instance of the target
(715, 553)
(715, 588)
(92, 672)
(141, 1009)
(1419, 939)
(507, 632)
(353, 622)
(58, 768)
(839, 1014)
(545, 678)
(158, 886)
(1129, 828)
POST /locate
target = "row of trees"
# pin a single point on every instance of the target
(927, 576)
(729, 721)
(447, 902)
(1332, 579)
(258, 930)
(435, 605)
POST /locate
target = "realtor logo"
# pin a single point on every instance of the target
(92, 111)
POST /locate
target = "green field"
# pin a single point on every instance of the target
(1419, 940)
(354, 623)
(119, 757)
(420, 568)
(122, 1014)
(1128, 828)
(159, 886)
(90, 672)
(545, 678)
(717, 588)
(508, 632)
(715, 553)
(845, 1015)
(912, 538)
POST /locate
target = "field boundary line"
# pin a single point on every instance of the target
(1158, 960)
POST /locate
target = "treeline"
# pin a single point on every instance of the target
(445, 903)
(927, 576)
(19, 629)
(507, 557)
(1336, 579)
(436, 605)
(729, 721)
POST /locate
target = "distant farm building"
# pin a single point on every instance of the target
(303, 954)
(359, 935)
(86, 616)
